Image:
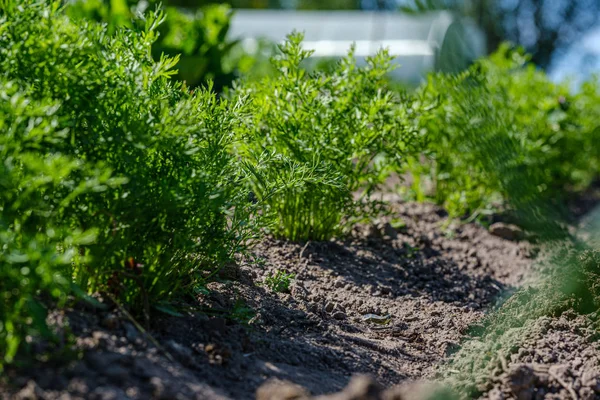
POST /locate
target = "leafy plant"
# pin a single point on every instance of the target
(499, 124)
(279, 282)
(199, 39)
(320, 143)
(37, 237)
(113, 177)
(241, 312)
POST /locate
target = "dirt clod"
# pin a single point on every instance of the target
(506, 231)
(281, 390)
(520, 379)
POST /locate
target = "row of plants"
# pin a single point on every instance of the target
(117, 178)
(501, 132)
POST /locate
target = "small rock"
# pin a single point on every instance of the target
(217, 355)
(329, 307)
(339, 315)
(506, 231)
(339, 283)
(30, 392)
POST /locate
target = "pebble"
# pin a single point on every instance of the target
(30, 392)
(329, 307)
(339, 315)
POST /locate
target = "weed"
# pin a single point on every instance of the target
(411, 251)
(241, 312)
(398, 224)
(279, 282)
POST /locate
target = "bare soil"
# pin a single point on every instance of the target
(389, 303)
(559, 358)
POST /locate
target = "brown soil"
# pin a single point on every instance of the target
(558, 359)
(434, 282)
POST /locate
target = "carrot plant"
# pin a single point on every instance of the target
(199, 39)
(504, 99)
(114, 178)
(37, 241)
(319, 144)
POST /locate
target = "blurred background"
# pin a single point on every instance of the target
(221, 41)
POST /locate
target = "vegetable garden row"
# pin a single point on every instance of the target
(117, 178)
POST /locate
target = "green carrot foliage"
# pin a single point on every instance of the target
(527, 123)
(114, 178)
(319, 144)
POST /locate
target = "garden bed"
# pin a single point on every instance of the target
(433, 281)
(159, 241)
